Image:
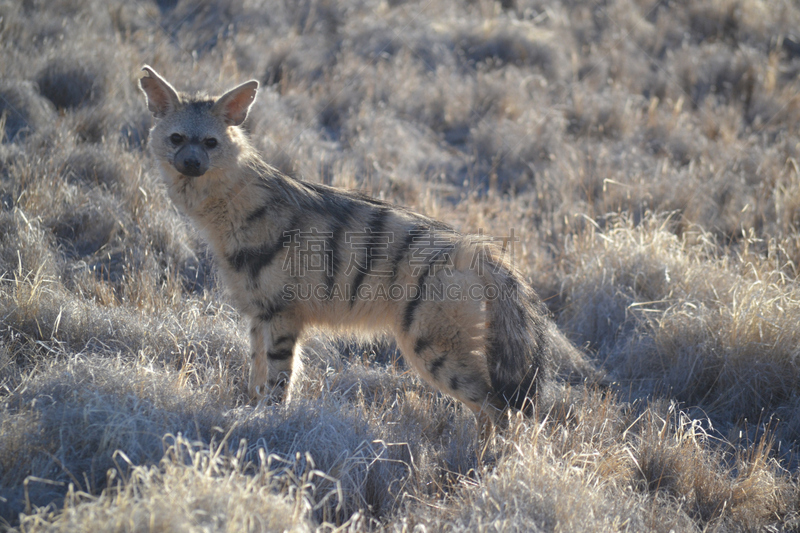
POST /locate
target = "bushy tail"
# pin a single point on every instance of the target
(516, 344)
(524, 346)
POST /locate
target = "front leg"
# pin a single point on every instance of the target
(272, 344)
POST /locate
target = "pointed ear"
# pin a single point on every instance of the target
(161, 96)
(233, 106)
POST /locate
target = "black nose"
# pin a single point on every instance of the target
(191, 166)
(191, 161)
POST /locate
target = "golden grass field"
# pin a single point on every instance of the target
(645, 153)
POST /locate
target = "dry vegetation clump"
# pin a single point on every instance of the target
(23, 109)
(670, 315)
(192, 488)
(642, 154)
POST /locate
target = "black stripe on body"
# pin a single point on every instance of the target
(404, 248)
(257, 214)
(291, 339)
(333, 249)
(421, 345)
(437, 364)
(454, 382)
(280, 355)
(271, 202)
(429, 268)
(408, 314)
(442, 257)
(268, 310)
(256, 258)
(376, 224)
(338, 206)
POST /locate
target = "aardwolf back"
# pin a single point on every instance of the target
(294, 254)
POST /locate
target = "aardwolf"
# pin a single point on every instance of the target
(294, 254)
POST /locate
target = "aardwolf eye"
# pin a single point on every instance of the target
(176, 138)
(211, 142)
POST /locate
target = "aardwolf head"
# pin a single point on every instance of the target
(194, 133)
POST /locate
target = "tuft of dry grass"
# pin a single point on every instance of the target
(192, 488)
(671, 314)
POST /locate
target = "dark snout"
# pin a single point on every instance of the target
(191, 160)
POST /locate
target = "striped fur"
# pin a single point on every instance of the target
(383, 269)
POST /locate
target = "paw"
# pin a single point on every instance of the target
(268, 394)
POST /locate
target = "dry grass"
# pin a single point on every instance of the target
(643, 152)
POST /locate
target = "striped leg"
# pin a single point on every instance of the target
(272, 344)
(453, 368)
(446, 341)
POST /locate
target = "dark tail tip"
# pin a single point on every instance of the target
(519, 396)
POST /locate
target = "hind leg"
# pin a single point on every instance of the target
(444, 338)
(453, 364)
